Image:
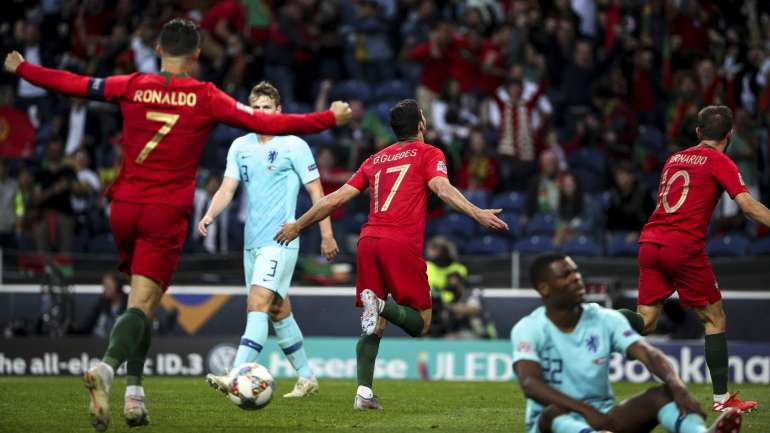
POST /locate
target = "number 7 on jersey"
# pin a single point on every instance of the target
(401, 169)
(169, 120)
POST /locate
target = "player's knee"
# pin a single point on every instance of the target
(260, 300)
(548, 415)
(659, 396)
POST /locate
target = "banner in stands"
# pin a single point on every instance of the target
(335, 358)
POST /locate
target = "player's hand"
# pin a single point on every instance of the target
(598, 420)
(329, 247)
(488, 218)
(686, 403)
(288, 233)
(342, 112)
(203, 226)
(12, 61)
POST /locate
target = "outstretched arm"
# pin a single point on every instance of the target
(219, 202)
(753, 208)
(320, 210)
(65, 82)
(658, 364)
(225, 109)
(454, 198)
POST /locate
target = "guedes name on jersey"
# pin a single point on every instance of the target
(395, 157)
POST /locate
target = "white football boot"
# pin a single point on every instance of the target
(98, 381)
(363, 403)
(220, 383)
(135, 411)
(303, 388)
(371, 313)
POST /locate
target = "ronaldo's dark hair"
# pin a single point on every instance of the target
(715, 121)
(540, 270)
(405, 118)
(179, 37)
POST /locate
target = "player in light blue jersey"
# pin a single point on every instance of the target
(561, 357)
(271, 170)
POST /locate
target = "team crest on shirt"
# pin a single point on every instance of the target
(441, 166)
(592, 343)
(524, 347)
(271, 156)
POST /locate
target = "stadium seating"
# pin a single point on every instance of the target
(617, 246)
(296, 107)
(354, 220)
(540, 224)
(351, 89)
(582, 246)
(382, 110)
(509, 202)
(458, 225)
(760, 247)
(488, 244)
(479, 198)
(590, 168)
(393, 90)
(732, 245)
(515, 229)
(534, 245)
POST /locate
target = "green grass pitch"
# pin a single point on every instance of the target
(30, 405)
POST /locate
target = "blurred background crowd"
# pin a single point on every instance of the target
(561, 112)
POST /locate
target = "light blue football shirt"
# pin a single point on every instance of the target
(575, 363)
(270, 175)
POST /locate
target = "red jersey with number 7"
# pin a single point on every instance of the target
(692, 182)
(166, 121)
(398, 177)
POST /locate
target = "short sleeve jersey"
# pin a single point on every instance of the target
(691, 184)
(271, 175)
(575, 363)
(398, 177)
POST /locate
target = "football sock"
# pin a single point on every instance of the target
(253, 338)
(568, 424)
(292, 343)
(365, 391)
(366, 354)
(716, 359)
(405, 318)
(670, 419)
(125, 337)
(135, 362)
(634, 319)
(134, 390)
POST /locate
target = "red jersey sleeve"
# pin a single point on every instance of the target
(727, 175)
(225, 109)
(359, 180)
(434, 164)
(105, 89)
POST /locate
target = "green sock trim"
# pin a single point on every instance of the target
(717, 361)
(366, 355)
(405, 318)
(634, 319)
(125, 337)
(135, 362)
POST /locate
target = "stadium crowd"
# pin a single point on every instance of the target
(561, 112)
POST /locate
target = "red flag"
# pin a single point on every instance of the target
(17, 136)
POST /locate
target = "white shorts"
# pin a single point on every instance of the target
(270, 267)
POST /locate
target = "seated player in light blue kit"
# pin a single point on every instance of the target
(272, 170)
(561, 357)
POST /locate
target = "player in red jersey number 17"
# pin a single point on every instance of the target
(167, 118)
(389, 256)
(672, 253)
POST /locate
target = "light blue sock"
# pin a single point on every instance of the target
(570, 424)
(292, 343)
(668, 417)
(253, 338)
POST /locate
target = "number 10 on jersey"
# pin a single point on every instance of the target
(401, 170)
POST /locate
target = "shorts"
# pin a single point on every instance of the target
(149, 238)
(387, 267)
(662, 270)
(270, 267)
(604, 408)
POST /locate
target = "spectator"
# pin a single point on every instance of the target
(332, 178)
(479, 170)
(53, 196)
(543, 194)
(217, 240)
(630, 203)
(464, 317)
(110, 305)
(25, 211)
(442, 260)
(571, 211)
(434, 56)
(17, 136)
(8, 188)
(370, 55)
(85, 193)
(143, 47)
(29, 97)
(494, 64)
(452, 112)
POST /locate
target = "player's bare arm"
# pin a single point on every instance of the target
(320, 210)
(454, 198)
(534, 386)
(753, 208)
(656, 362)
(219, 202)
(329, 247)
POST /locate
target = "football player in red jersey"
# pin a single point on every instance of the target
(167, 119)
(389, 257)
(672, 253)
